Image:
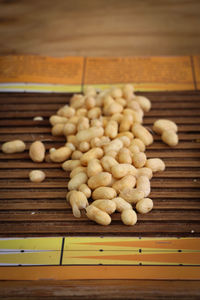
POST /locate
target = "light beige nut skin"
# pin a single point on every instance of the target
(112, 153)
(94, 167)
(131, 195)
(104, 121)
(76, 181)
(143, 184)
(84, 146)
(77, 101)
(116, 92)
(105, 205)
(128, 90)
(139, 159)
(104, 140)
(37, 176)
(127, 134)
(37, 151)
(83, 123)
(74, 119)
(77, 201)
(90, 91)
(76, 155)
(96, 123)
(13, 146)
(77, 170)
(68, 195)
(90, 133)
(95, 142)
(115, 145)
(164, 124)
(142, 133)
(113, 108)
(121, 204)
(124, 156)
(113, 180)
(137, 115)
(117, 117)
(155, 164)
(95, 214)
(111, 129)
(57, 130)
(133, 149)
(104, 192)
(61, 154)
(70, 165)
(121, 101)
(133, 105)
(69, 129)
(126, 123)
(52, 150)
(38, 118)
(57, 119)
(107, 100)
(144, 102)
(66, 111)
(121, 170)
(85, 190)
(129, 217)
(72, 139)
(145, 172)
(144, 206)
(139, 143)
(127, 181)
(125, 140)
(71, 146)
(128, 96)
(108, 162)
(99, 101)
(81, 112)
(170, 138)
(91, 154)
(101, 179)
(90, 102)
(94, 113)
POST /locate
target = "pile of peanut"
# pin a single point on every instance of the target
(105, 153)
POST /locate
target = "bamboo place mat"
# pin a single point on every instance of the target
(35, 209)
(164, 244)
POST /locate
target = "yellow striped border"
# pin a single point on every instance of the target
(40, 88)
(97, 250)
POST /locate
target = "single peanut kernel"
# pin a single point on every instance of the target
(14, 146)
(37, 176)
(129, 217)
(37, 151)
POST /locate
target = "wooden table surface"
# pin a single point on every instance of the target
(100, 27)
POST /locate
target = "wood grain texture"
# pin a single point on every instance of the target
(99, 289)
(33, 209)
(100, 28)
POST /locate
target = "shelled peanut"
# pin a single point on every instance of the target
(105, 153)
(168, 131)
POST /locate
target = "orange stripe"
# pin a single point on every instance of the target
(99, 272)
(184, 258)
(189, 244)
